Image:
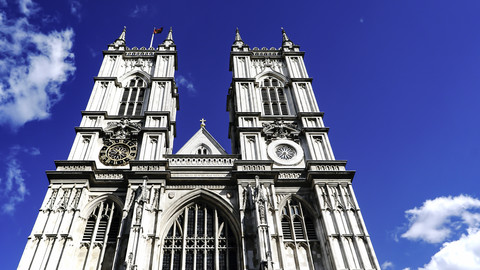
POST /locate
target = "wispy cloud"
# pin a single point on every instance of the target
(138, 11)
(12, 185)
(30, 81)
(75, 7)
(184, 82)
(27, 7)
(441, 219)
(386, 265)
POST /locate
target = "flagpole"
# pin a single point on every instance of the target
(151, 41)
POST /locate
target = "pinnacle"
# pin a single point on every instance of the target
(238, 39)
(169, 40)
(237, 35)
(284, 35)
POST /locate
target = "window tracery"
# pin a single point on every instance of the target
(273, 97)
(103, 224)
(200, 238)
(299, 233)
(133, 97)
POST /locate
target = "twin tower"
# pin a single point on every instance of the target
(123, 200)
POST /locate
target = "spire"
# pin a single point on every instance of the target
(237, 35)
(286, 42)
(122, 35)
(169, 40)
(238, 40)
(121, 39)
(284, 35)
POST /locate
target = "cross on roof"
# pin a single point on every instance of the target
(202, 122)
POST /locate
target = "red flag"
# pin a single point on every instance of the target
(158, 30)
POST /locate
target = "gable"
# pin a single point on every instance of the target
(202, 143)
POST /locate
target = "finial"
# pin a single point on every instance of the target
(170, 34)
(202, 123)
(284, 35)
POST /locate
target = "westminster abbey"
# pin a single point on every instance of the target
(124, 200)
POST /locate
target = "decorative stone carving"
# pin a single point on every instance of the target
(201, 161)
(289, 175)
(109, 176)
(124, 129)
(248, 197)
(51, 201)
(78, 192)
(148, 168)
(279, 129)
(74, 168)
(252, 168)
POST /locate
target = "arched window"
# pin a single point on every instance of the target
(199, 238)
(102, 230)
(295, 224)
(299, 235)
(202, 150)
(132, 99)
(273, 97)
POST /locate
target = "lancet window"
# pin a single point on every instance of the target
(103, 224)
(273, 97)
(133, 97)
(199, 238)
(299, 234)
(102, 231)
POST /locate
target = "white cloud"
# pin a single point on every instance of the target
(435, 220)
(27, 7)
(184, 82)
(463, 253)
(386, 265)
(13, 189)
(441, 219)
(75, 7)
(139, 10)
(30, 80)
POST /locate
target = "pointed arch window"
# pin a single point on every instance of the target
(199, 238)
(103, 224)
(133, 97)
(295, 224)
(299, 235)
(273, 97)
(102, 230)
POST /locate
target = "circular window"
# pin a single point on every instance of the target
(285, 152)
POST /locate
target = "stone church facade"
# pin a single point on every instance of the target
(123, 200)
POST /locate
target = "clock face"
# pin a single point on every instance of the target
(118, 152)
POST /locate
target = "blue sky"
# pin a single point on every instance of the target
(398, 81)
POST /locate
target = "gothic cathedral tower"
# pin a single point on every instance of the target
(123, 200)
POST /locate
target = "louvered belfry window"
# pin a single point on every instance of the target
(273, 97)
(297, 225)
(103, 224)
(133, 97)
(199, 238)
